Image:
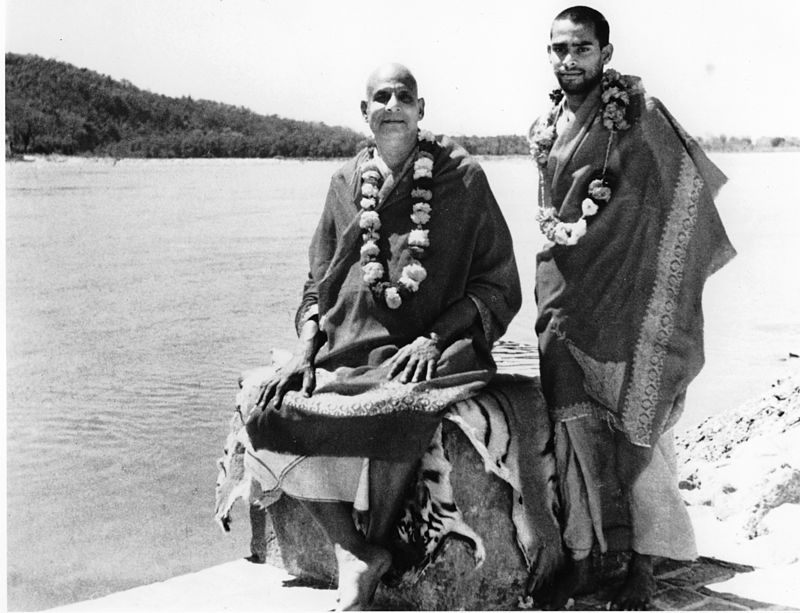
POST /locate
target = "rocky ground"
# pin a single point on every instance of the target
(740, 475)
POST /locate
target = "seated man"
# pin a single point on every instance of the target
(412, 279)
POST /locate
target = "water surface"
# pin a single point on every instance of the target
(138, 291)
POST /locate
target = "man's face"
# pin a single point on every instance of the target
(392, 108)
(576, 56)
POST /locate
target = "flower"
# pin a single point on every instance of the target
(415, 271)
(392, 297)
(421, 194)
(616, 95)
(420, 217)
(408, 283)
(598, 190)
(423, 162)
(370, 220)
(422, 173)
(371, 175)
(370, 249)
(373, 271)
(418, 238)
(576, 231)
(588, 207)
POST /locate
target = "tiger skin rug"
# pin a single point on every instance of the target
(514, 442)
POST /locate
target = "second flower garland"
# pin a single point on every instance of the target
(375, 274)
(617, 92)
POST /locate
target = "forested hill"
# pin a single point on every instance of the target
(55, 107)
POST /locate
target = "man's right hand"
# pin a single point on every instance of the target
(299, 374)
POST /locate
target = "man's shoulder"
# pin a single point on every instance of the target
(456, 158)
(348, 170)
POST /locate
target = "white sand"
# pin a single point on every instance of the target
(235, 586)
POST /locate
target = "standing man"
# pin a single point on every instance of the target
(626, 201)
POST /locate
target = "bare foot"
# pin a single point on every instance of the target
(359, 574)
(574, 580)
(636, 593)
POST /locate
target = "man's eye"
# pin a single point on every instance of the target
(382, 97)
(406, 98)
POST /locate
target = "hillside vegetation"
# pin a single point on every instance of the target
(55, 107)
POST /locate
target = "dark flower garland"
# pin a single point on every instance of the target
(617, 91)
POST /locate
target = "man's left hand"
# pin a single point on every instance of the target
(416, 361)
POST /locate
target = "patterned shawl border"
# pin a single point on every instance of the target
(659, 321)
(392, 397)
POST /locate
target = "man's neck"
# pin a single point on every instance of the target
(575, 101)
(395, 153)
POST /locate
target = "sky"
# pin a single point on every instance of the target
(721, 66)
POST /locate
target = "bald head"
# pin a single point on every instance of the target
(391, 72)
(393, 109)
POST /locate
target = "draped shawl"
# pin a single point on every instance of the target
(620, 322)
(470, 256)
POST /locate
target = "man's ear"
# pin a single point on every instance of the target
(606, 53)
(421, 108)
(364, 109)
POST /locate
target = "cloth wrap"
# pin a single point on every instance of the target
(620, 323)
(357, 411)
(506, 425)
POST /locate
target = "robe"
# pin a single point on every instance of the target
(620, 322)
(355, 411)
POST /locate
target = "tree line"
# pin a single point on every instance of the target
(54, 107)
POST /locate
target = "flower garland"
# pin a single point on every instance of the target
(414, 273)
(617, 91)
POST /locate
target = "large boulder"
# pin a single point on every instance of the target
(451, 581)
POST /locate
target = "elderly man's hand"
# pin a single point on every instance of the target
(298, 374)
(417, 361)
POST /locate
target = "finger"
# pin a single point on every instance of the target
(266, 394)
(421, 368)
(280, 391)
(408, 371)
(398, 360)
(309, 382)
(431, 370)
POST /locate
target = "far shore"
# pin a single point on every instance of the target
(58, 157)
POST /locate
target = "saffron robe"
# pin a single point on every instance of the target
(358, 412)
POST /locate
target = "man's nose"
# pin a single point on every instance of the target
(393, 103)
(568, 61)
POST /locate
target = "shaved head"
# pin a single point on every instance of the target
(394, 72)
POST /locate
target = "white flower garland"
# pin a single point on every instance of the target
(414, 273)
